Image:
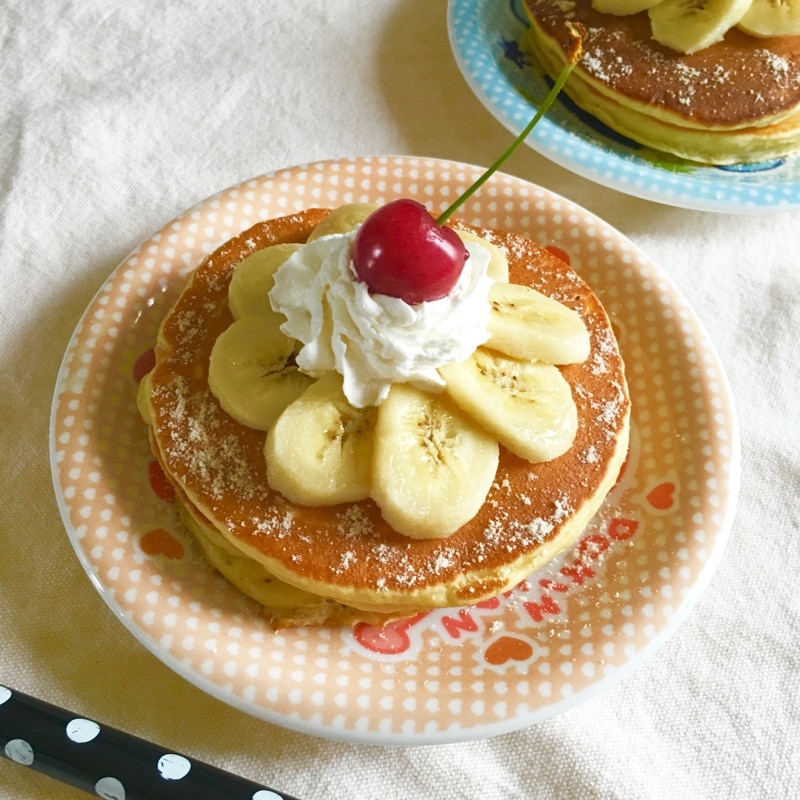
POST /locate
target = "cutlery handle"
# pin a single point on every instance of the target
(107, 762)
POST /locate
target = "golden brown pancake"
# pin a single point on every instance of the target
(285, 605)
(347, 553)
(734, 102)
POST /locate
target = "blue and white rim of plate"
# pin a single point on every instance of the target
(487, 36)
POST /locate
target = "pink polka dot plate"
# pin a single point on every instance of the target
(569, 630)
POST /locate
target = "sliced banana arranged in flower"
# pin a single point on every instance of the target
(343, 219)
(498, 262)
(428, 460)
(527, 324)
(252, 373)
(527, 405)
(319, 451)
(253, 278)
(692, 25)
(432, 465)
(772, 18)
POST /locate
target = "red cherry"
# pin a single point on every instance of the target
(401, 251)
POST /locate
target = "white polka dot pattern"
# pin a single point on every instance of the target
(110, 789)
(486, 37)
(449, 675)
(109, 762)
(20, 751)
(82, 731)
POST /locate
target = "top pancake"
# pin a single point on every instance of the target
(348, 553)
(744, 89)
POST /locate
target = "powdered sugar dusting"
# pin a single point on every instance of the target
(737, 85)
(208, 456)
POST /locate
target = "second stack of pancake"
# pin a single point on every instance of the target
(737, 101)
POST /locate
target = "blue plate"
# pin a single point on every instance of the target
(487, 39)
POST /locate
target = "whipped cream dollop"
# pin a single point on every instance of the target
(374, 340)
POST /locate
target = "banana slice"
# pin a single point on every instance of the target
(143, 399)
(252, 373)
(526, 405)
(527, 324)
(343, 219)
(498, 262)
(432, 466)
(253, 278)
(692, 25)
(772, 18)
(319, 451)
(622, 8)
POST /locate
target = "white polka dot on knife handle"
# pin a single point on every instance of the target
(172, 767)
(109, 763)
(82, 731)
(110, 789)
(20, 751)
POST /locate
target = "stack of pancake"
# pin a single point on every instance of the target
(736, 101)
(343, 564)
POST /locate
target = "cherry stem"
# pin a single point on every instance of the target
(548, 101)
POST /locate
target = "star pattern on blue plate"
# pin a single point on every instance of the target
(514, 53)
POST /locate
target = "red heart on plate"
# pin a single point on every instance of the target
(662, 496)
(391, 639)
(144, 364)
(558, 252)
(160, 483)
(508, 648)
(159, 542)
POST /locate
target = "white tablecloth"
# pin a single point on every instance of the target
(114, 118)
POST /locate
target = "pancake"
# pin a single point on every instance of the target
(737, 101)
(347, 555)
(285, 605)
